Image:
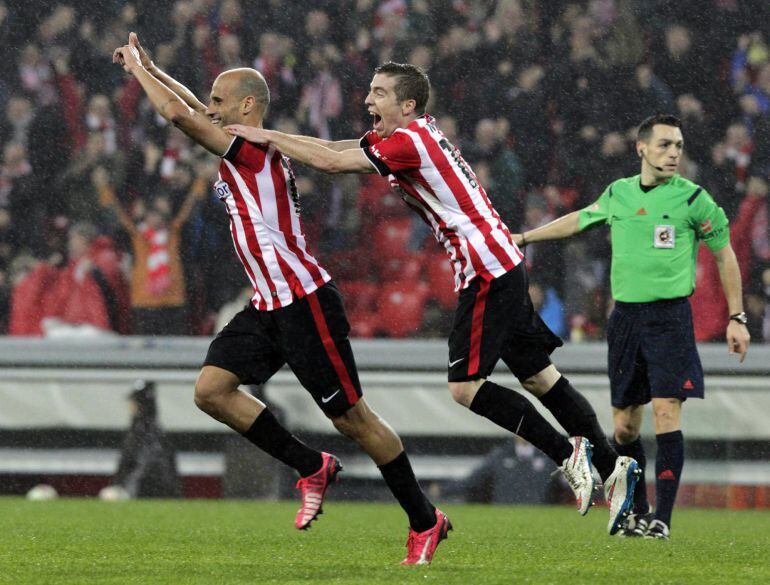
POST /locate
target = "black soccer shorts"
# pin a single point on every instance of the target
(310, 335)
(652, 353)
(495, 320)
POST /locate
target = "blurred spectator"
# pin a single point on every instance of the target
(147, 467)
(158, 286)
(542, 98)
(505, 172)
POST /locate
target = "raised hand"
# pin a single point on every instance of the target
(250, 133)
(128, 57)
(133, 40)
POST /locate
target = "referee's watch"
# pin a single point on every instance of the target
(740, 318)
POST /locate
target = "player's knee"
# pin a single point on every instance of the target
(209, 392)
(462, 392)
(666, 410)
(349, 424)
(625, 432)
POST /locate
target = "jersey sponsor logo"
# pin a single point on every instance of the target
(222, 190)
(665, 236)
(376, 152)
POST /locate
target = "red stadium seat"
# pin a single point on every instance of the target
(409, 268)
(441, 281)
(391, 239)
(401, 308)
(361, 306)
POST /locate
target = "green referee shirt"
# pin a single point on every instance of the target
(655, 235)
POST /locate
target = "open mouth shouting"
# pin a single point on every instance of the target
(377, 122)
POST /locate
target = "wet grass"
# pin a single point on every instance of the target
(86, 541)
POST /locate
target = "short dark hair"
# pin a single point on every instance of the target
(645, 128)
(411, 83)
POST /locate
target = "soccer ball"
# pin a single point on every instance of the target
(114, 493)
(42, 492)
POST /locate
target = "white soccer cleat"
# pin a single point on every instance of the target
(577, 471)
(619, 491)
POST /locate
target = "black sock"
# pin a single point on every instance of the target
(403, 484)
(578, 418)
(668, 470)
(268, 434)
(635, 449)
(512, 411)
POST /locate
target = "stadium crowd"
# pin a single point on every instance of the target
(108, 221)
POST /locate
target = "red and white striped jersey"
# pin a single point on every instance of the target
(441, 187)
(256, 184)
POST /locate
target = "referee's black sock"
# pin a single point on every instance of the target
(403, 484)
(635, 449)
(510, 410)
(578, 418)
(268, 434)
(668, 470)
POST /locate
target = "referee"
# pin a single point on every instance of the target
(656, 219)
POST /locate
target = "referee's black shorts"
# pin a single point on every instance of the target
(310, 335)
(652, 353)
(495, 320)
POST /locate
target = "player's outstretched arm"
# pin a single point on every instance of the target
(182, 91)
(563, 227)
(335, 145)
(169, 105)
(312, 154)
(737, 334)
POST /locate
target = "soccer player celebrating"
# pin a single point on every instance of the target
(495, 318)
(296, 315)
(656, 219)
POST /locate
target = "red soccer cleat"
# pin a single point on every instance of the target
(314, 488)
(420, 546)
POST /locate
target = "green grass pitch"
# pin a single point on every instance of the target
(87, 541)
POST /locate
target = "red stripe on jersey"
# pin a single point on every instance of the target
(477, 327)
(251, 236)
(331, 348)
(284, 221)
(460, 193)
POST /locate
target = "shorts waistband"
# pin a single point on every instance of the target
(651, 305)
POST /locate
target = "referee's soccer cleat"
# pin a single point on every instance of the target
(619, 491)
(578, 472)
(420, 546)
(313, 488)
(658, 530)
(636, 525)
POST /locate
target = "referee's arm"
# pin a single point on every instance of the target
(564, 227)
(737, 335)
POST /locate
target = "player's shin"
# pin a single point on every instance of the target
(512, 411)
(578, 418)
(270, 436)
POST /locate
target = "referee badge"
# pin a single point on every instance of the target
(665, 236)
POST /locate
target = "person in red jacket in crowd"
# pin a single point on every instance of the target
(88, 290)
(708, 304)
